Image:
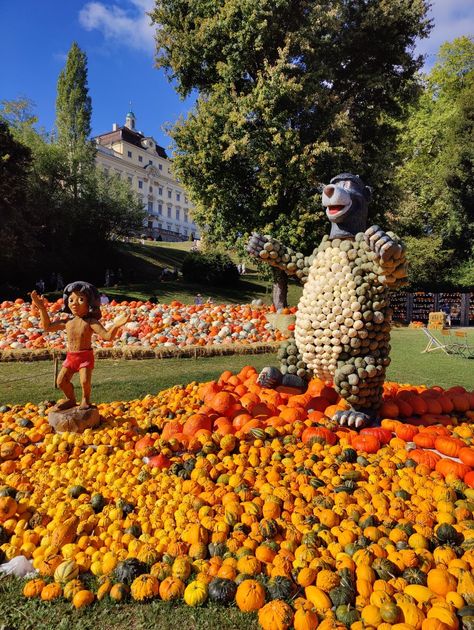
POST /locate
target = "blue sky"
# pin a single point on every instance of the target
(119, 44)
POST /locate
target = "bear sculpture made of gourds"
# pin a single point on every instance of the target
(342, 328)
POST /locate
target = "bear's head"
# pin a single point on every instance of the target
(345, 199)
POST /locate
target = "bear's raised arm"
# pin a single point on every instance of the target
(273, 252)
(391, 255)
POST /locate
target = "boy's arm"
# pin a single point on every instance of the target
(46, 323)
(109, 334)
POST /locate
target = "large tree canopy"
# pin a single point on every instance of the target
(290, 92)
(437, 146)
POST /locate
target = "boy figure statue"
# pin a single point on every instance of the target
(82, 301)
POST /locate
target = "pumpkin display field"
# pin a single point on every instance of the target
(229, 493)
(151, 325)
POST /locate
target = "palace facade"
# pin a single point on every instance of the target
(140, 160)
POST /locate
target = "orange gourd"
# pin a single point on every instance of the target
(250, 596)
(276, 615)
(466, 455)
(51, 591)
(33, 588)
(83, 598)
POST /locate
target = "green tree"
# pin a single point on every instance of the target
(437, 147)
(18, 113)
(15, 164)
(44, 228)
(73, 116)
(290, 92)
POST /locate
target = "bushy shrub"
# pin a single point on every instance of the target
(209, 268)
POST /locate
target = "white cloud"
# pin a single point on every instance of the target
(130, 27)
(451, 19)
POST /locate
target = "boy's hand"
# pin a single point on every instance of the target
(122, 319)
(37, 300)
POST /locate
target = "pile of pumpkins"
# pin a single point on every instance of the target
(151, 325)
(232, 493)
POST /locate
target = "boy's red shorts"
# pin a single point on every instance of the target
(80, 359)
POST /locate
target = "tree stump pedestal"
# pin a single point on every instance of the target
(73, 420)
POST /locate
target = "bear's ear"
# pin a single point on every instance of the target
(368, 192)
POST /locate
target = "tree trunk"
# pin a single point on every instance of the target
(280, 289)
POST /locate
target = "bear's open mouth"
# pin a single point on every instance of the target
(335, 209)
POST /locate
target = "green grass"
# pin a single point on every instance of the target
(126, 380)
(143, 264)
(120, 379)
(22, 614)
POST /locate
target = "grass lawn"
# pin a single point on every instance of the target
(126, 380)
(19, 613)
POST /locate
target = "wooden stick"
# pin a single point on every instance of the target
(56, 369)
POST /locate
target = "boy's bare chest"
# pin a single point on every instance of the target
(78, 330)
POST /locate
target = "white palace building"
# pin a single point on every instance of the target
(132, 156)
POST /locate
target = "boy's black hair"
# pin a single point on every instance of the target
(91, 293)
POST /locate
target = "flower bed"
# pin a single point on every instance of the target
(228, 492)
(152, 325)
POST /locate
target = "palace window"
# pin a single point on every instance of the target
(129, 153)
(160, 190)
(150, 206)
(177, 214)
(178, 197)
(140, 158)
(140, 183)
(169, 194)
(169, 212)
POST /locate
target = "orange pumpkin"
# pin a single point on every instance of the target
(171, 588)
(83, 598)
(195, 423)
(322, 433)
(441, 582)
(466, 455)
(448, 446)
(33, 588)
(250, 596)
(366, 443)
(406, 432)
(450, 467)
(222, 403)
(8, 507)
(276, 615)
(51, 591)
